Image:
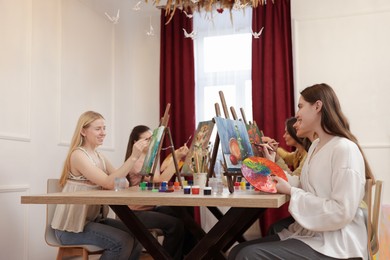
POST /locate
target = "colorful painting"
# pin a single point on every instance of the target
(255, 136)
(153, 149)
(200, 142)
(257, 171)
(234, 141)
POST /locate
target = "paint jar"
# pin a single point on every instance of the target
(207, 191)
(176, 185)
(164, 185)
(243, 185)
(187, 190)
(236, 186)
(142, 185)
(195, 190)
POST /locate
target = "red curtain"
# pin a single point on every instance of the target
(177, 76)
(177, 79)
(272, 79)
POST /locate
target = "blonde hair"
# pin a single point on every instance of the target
(84, 122)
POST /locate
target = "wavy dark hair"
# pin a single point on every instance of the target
(134, 137)
(305, 142)
(333, 121)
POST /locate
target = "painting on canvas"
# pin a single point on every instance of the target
(234, 141)
(200, 142)
(153, 149)
(255, 136)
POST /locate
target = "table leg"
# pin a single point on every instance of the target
(244, 227)
(218, 215)
(227, 229)
(140, 232)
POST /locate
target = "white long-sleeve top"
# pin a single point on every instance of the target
(326, 208)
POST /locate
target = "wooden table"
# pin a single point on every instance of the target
(245, 208)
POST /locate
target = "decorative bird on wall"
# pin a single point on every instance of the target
(113, 19)
(238, 6)
(151, 30)
(191, 35)
(137, 6)
(256, 35)
(188, 15)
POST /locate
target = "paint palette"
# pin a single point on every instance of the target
(257, 172)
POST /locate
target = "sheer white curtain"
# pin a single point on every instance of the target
(223, 53)
(223, 61)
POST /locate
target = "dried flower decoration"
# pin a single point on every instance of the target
(207, 5)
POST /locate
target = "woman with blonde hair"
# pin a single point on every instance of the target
(87, 169)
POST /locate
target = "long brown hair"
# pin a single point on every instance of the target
(333, 121)
(84, 121)
(134, 137)
(305, 142)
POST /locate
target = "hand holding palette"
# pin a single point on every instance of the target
(257, 171)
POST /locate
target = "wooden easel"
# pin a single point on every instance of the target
(164, 123)
(231, 176)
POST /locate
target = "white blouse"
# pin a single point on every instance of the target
(326, 208)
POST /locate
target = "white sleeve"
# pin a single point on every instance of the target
(331, 204)
(293, 180)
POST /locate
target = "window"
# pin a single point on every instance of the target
(223, 53)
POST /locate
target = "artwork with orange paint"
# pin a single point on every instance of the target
(234, 141)
(199, 142)
(257, 171)
(254, 138)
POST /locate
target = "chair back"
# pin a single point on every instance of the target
(53, 185)
(373, 212)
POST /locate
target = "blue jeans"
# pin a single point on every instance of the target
(173, 228)
(110, 234)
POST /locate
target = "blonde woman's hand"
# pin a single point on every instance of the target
(282, 185)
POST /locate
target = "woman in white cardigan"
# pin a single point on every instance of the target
(328, 221)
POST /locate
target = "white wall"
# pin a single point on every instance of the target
(346, 44)
(57, 60)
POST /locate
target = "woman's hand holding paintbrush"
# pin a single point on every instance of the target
(268, 148)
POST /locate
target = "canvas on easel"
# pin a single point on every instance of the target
(150, 164)
(254, 133)
(234, 141)
(255, 140)
(200, 142)
(154, 147)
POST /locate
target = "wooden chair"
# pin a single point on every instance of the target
(373, 211)
(64, 250)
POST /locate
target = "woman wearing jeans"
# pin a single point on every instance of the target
(87, 169)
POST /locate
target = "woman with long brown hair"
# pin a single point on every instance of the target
(329, 224)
